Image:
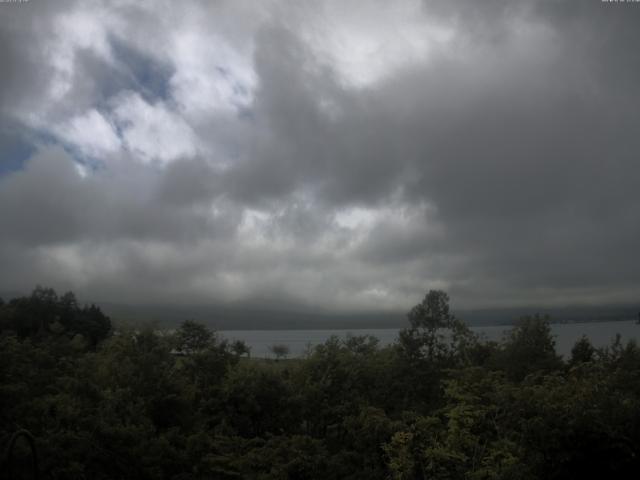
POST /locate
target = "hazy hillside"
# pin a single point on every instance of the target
(227, 318)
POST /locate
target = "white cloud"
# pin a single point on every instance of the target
(80, 29)
(355, 217)
(368, 43)
(153, 133)
(210, 74)
(90, 132)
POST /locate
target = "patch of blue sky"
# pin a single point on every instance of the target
(240, 90)
(246, 114)
(16, 147)
(141, 72)
(240, 93)
(88, 162)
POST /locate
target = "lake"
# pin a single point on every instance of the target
(600, 333)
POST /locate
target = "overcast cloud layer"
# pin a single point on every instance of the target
(324, 154)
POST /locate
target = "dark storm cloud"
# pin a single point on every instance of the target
(342, 145)
(188, 182)
(50, 203)
(21, 54)
(531, 161)
(501, 162)
(536, 176)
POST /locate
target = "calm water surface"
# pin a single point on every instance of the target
(600, 333)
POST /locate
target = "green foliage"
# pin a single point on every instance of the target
(43, 315)
(258, 401)
(240, 348)
(528, 348)
(463, 439)
(439, 404)
(435, 335)
(280, 351)
(582, 352)
(193, 337)
(435, 341)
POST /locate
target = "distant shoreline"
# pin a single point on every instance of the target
(400, 327)
(223, 318)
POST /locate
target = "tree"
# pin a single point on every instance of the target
(258, 400)
(435, 334)
(432, 313)
(240, 348)
(435, 341)
(529, 347)
(31, 316)
(43, 314)
(68, 301)
(279, 350)
(193, 337)
(582, 351)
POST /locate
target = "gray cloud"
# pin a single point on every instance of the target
(312, 158)
(51, 203)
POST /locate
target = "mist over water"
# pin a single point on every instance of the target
(600, 334)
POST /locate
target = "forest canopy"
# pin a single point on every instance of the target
(440, 403)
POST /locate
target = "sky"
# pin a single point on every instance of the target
(321, 155)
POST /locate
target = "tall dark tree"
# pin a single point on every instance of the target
(529, 347)
(193, 337)
(280, 351)
(582, 352)
(240, 348)
(435, 333)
